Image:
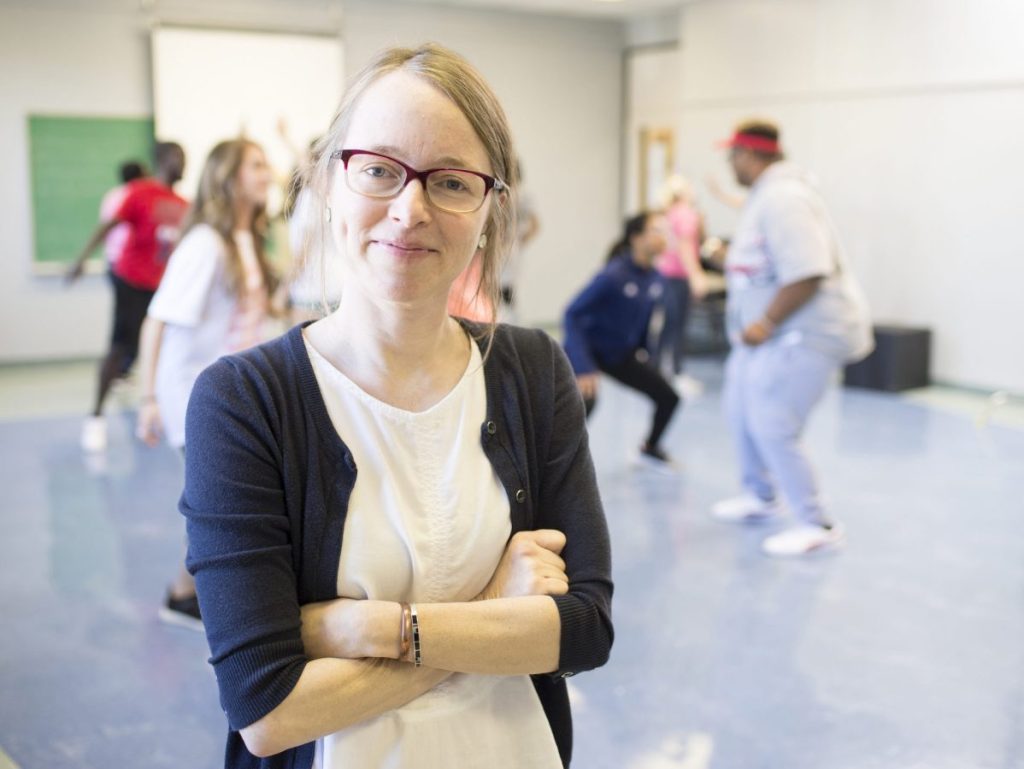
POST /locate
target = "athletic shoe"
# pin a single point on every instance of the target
(94, 434)
(804, 539)
(654, 458)
(746, 508)
(688, 386)
(183, 612)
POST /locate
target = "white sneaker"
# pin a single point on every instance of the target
(688, 386)
(94, 434)
(804, 539)
(746, 508)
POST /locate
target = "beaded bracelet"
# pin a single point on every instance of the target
(416, 658)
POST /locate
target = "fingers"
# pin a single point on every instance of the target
(537, 554)
(549, 539)
(148, 430)
(545, 581)
(556, 586)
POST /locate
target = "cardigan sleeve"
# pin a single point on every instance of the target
(240, 541)
(569, 501)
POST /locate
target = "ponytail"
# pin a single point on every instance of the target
(632, 227)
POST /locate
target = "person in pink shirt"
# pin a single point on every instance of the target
(684, 278)
(467, 298)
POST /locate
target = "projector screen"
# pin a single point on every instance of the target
(210, 85)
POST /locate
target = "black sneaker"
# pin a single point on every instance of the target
(183, 612)
(656, 459)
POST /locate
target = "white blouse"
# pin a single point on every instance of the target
(427, 522)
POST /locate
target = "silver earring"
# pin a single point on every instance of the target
(483, 241)
(327, 214)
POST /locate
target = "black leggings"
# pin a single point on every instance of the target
(644, 378)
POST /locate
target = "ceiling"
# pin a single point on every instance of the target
(617, 9)
(609, 9)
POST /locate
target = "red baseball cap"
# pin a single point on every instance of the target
(751, 141)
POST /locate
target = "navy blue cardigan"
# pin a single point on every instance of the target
(266, 491)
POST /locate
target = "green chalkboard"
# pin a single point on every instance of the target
(73, 162)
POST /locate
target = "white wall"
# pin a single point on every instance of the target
(57, 60)
(71, 58)
(910, 112)
(652, 104)
(558, 78)
(559, 81)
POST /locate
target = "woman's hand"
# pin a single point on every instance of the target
(531, 565)
(588, 385)
(149, 426)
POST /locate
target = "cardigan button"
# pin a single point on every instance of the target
(491, 428)
(521, 496)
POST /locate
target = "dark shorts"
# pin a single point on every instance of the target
(130, 305)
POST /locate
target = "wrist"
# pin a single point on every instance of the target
(379, 633)
(760, 329)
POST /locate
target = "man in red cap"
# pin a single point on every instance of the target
(795, 315)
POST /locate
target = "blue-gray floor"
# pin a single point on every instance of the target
(905, 651)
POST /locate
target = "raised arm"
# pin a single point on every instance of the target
(101, 232)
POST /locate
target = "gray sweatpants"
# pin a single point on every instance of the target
(770, 391)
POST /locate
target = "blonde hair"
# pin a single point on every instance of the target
(457, 79)
(676, 187)
(214, 205)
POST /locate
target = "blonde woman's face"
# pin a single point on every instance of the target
(403, 248)
(253, 178)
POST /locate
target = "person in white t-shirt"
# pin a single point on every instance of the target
(213, 300)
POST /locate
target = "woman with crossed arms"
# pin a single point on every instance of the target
(394, 525)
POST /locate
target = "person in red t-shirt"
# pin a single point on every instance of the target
(153, 212)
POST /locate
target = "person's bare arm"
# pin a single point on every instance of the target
(690, 257)
(786, 301)
(75, 270)
(148, 425)
(512, 628)
(333, 694)
(730, 199)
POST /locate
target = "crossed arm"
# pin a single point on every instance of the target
(512, 628)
